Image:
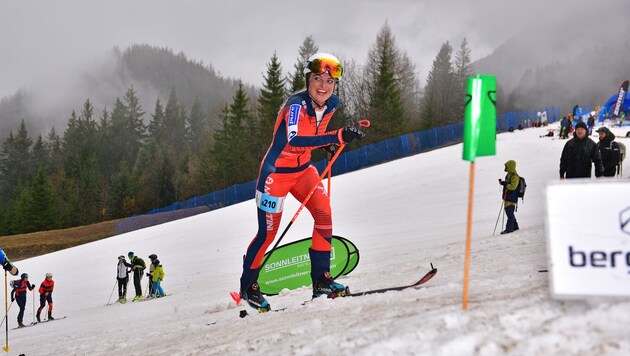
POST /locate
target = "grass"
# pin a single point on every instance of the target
(19, 247)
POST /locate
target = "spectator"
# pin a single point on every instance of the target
(577, 155)
(609, 150)
(510, 196)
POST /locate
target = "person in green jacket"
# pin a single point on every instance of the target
(510, 195)
(158, 277)
(137, 266)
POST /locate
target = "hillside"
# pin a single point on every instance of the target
(579, 60)
(152, 71)
(402, 215)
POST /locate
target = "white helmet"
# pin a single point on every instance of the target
(320, 63)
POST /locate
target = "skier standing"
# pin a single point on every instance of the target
(510, 196)
(122, 275)
(286, 168)
(137, 265)
(152, 257)
(158, 277)
(45, 295)
(18, 294)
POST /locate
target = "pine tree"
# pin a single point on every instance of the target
(41, 210)
(39, 154)
(127, 131)
(272, 95)
(307, 49)
(174, 127)
(438, 100)
(385, 108)
(121, 197)
(15, 163)
(196, 126)
(53, 147)
(153, 173)
(232, 157)
(463, 69)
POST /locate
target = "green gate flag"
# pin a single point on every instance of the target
(480, 124)
(290, 265)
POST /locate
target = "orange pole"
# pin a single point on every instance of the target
(468, 233)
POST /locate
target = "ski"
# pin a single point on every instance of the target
(417, 284)
(25, 326)
(346, 293)
(48, 320)
(153, 298)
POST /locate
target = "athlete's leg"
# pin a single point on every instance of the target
(269, 203)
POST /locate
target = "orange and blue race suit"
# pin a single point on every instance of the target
(287, 168)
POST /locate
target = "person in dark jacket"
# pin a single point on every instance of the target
(510, 196)
(564, 128)
(19, 295)
(137, 265)
(577, 155)
(590, 123)
(609, 150)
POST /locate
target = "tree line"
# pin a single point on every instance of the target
(125, 160)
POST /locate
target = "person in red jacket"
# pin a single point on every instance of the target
(287, 168)
(45, 295)
(19, 294)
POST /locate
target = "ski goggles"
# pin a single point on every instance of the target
(323, 65)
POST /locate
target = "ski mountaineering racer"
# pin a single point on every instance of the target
(287, 168)
(19, 295)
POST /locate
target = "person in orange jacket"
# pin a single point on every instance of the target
(45, 295)
(287, 168)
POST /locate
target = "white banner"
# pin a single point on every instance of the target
(588, 238)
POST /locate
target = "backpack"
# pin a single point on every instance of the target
(522, 186)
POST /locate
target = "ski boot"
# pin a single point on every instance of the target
(20, 325)
(50, 317)
(325, 285)
(255, 299)
(137, 298)
(122, 300)
(38, 318)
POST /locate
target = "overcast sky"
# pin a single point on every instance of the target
(238, 37)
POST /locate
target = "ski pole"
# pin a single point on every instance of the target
(6, 313)
(329, 175)
(108, 300)
(498, 216)
(33, 305)
(5, 317)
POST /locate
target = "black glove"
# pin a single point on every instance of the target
(12, 299)
(349, 133)
(329, 149)
(32, 286)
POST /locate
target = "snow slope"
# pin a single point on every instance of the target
(401, 215)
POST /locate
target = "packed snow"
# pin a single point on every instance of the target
(402, 216)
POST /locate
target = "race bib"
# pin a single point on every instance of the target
(269, 203)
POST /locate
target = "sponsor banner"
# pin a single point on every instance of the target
(588, 238)
(621, 98)
(290, 265)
